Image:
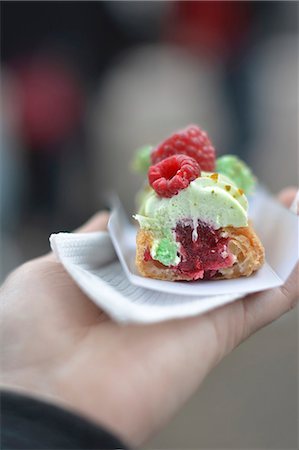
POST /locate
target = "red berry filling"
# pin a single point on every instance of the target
(173, 174)
(192, 141)
(205, 256)
(147, 255)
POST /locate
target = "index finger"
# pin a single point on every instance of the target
(98, 222)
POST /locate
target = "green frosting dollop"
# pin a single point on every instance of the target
(142, 160)
(237, 170)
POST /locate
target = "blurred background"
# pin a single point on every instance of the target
(83, 84)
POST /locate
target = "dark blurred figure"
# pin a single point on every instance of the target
(51, 106)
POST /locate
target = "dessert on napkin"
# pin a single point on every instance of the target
(193, 217)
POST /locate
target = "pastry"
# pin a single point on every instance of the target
(193, 217)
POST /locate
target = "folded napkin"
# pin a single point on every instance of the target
(90, 260)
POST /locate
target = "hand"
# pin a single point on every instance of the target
(57, 345)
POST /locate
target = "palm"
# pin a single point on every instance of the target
(76, 340)
(68, 349)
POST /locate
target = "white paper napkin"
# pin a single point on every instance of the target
(91, 261)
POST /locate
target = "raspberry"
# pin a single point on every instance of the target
(173, 174)
(191, 141)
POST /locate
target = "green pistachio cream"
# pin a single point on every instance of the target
(237, 171)
(212, 198)
(142, 159)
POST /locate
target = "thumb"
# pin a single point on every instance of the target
(98, 222)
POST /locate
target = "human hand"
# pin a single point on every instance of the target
(57, 345)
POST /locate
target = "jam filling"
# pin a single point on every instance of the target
(147, 255)
(202, 253)
(203, 256)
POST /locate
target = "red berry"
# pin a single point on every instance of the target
(191, 141)
(173, 174)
